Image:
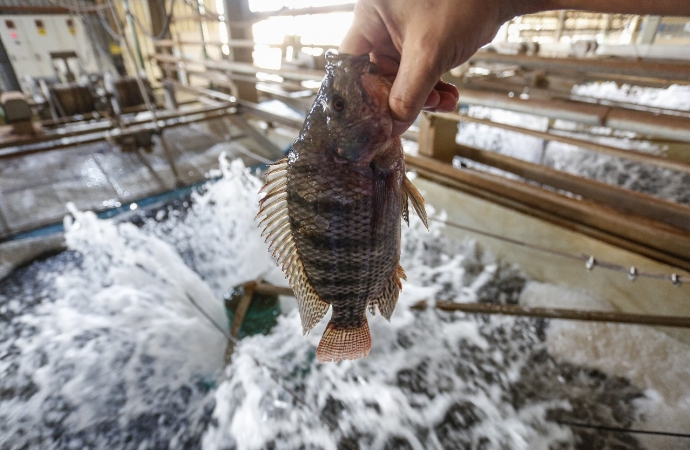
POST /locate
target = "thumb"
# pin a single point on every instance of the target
(354, 42)
(416, 78)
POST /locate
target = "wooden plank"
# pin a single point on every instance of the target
(643, 236)
(624, 200)
(632, 155)
(668, 71)
(663, 125)
(301, 75)
(239, 10)
(437, 137)
(525, 311)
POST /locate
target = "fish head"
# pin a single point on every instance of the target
(354, 101)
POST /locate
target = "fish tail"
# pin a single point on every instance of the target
(344, 343)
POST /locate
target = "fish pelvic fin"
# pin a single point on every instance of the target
(410, 192)
(344, 343)
(388, 297)
(275, 222)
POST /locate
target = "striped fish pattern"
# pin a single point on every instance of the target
(333, 208)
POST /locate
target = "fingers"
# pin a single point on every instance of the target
(442, 98)
(355, 43)
(448, 97)
(415, 80)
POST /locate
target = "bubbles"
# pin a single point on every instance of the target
(99, 348)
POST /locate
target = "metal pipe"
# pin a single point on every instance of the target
(564, 314)
(133, 30)
(23, 143)
(669, 72)
(106, 134)
(662, 125)
(140, 83)
(632, 155)
(347, 7)
(524, 311)
(233, 66)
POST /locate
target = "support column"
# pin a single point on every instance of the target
(237, 16)
(562, 16)
(650, 25)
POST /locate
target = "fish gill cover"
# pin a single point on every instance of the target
(100, 348)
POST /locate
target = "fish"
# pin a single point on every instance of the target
(333, 206)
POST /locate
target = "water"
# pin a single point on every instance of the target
(101, 348)
(657, 181)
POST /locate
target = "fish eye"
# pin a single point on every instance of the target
(338, 104)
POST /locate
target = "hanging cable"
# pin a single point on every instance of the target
(621, 430)
(166, 24)
(589, 261)
(144, 93)
(104, 21)
(274, 377)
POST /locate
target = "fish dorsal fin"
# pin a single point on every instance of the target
(275, 221)
(410, 192)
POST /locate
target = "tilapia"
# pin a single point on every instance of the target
(333, 208)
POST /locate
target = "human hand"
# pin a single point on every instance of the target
(415, 42)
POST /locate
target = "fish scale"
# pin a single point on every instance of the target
(333, 208)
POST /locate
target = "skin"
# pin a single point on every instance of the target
(415, 41)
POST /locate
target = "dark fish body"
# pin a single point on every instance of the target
(333, 208)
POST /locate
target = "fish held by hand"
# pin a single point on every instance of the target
(333, 208)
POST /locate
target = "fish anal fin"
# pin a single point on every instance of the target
(311, 307)
(416, 199)
(344, 343)
(388, 297)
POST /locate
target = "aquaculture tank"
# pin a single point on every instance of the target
(120, 341)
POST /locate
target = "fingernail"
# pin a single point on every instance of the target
(400, 127)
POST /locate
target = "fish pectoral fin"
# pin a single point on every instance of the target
(405, 208)
(344, 343)
(388, 297)
(383, 180)
(311, 307)
(417, 201)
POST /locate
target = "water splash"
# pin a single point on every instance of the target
(99, 348)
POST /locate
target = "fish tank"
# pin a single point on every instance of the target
(120, 341)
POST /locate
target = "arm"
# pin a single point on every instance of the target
(416, 41)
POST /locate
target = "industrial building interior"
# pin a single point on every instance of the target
(547, 307)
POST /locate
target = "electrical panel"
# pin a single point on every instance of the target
(30, 39)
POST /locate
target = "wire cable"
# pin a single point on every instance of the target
(104, 21)
(166, 24)
(589, 260)
(275, 378)
(621, 430)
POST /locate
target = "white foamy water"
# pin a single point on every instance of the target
(101, 348)
(664, 183)
(674, 97)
